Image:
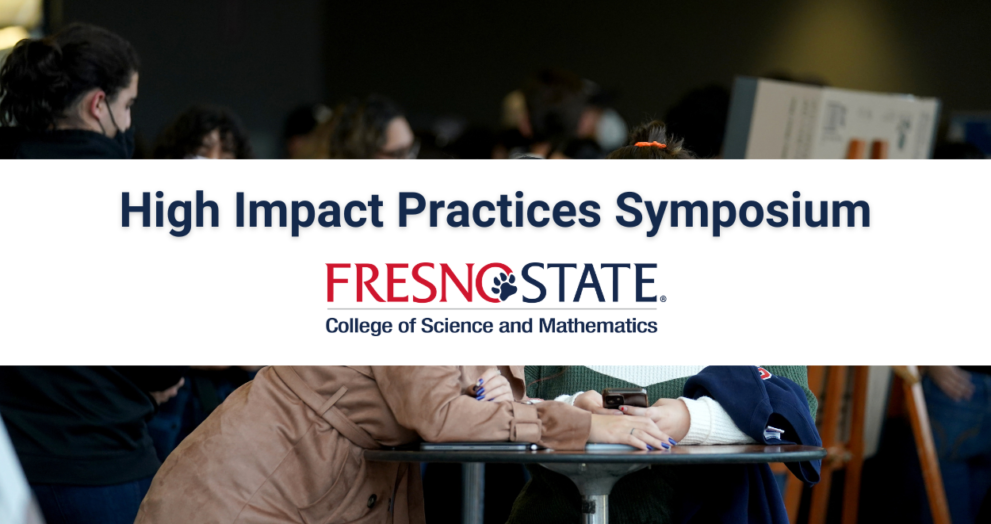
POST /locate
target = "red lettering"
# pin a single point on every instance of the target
(368, 284)
(445, 271)
(331, 280)
(391, 281)
(426, 283)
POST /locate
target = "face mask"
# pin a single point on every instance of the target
(124, 139)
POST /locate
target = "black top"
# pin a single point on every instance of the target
(82, 425)
(63, 143)
(743, 454)
(986, 370)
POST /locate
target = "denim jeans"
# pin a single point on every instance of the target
(115, 504)
(962, 433)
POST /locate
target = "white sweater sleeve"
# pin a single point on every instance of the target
(709, 424)
(568, 399)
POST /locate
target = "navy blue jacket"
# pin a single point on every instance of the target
(755, 400)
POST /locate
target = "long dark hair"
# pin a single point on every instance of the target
(42, 79)
(359, 126)
(184, 137)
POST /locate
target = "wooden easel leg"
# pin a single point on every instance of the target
(793, 497)
(916, 404)
(855, 445)
(832, 407)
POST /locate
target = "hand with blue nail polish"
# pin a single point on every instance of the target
(493, 387)
(639, 432)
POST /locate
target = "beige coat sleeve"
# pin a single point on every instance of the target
(430, 401)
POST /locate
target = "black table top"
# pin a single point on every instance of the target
(749, 454)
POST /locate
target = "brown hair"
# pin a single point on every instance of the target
(357, 129)
(666, 147)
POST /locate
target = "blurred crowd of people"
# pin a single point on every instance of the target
(69, 95)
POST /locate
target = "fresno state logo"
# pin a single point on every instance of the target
(493, 282)
(764, 374)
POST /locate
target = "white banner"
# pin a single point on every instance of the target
(908, 282)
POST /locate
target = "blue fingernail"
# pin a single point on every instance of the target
(649, 448)
(481, 397)
(480, 391)
(665, 446)
(673, 441)
(480, 382)
(491, 399)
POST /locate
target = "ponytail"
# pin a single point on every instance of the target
(42, 79)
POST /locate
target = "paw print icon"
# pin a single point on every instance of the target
(504, 286)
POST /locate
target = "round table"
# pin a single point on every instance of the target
(596, 472)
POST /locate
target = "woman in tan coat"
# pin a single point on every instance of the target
(288, 447)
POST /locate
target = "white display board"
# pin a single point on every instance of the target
(15, 496)
(774, 119)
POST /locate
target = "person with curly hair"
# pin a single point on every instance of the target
(205, 132)
(371, 128)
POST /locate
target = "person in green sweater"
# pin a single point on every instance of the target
(648, 495)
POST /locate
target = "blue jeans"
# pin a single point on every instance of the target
(115, 504)
(962, 433)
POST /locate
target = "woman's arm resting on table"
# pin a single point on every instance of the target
(710, 424)
(429, 400)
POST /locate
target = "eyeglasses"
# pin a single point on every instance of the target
(402, 153)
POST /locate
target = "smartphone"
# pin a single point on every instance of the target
(598, 448)
(478, 446)
(613, 398)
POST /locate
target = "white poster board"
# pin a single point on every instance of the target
(15, 495)
(774, 119)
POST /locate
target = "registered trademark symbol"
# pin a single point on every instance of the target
(663, 298)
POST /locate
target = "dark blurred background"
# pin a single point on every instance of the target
(262, 59)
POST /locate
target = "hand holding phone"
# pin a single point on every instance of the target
(613, 398)
(591, 401)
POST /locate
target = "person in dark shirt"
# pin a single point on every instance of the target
(69, 95)
(204, 389)
(81, 436)
(958, 399)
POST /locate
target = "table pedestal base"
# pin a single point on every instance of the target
(594, 482)
(472, 493)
